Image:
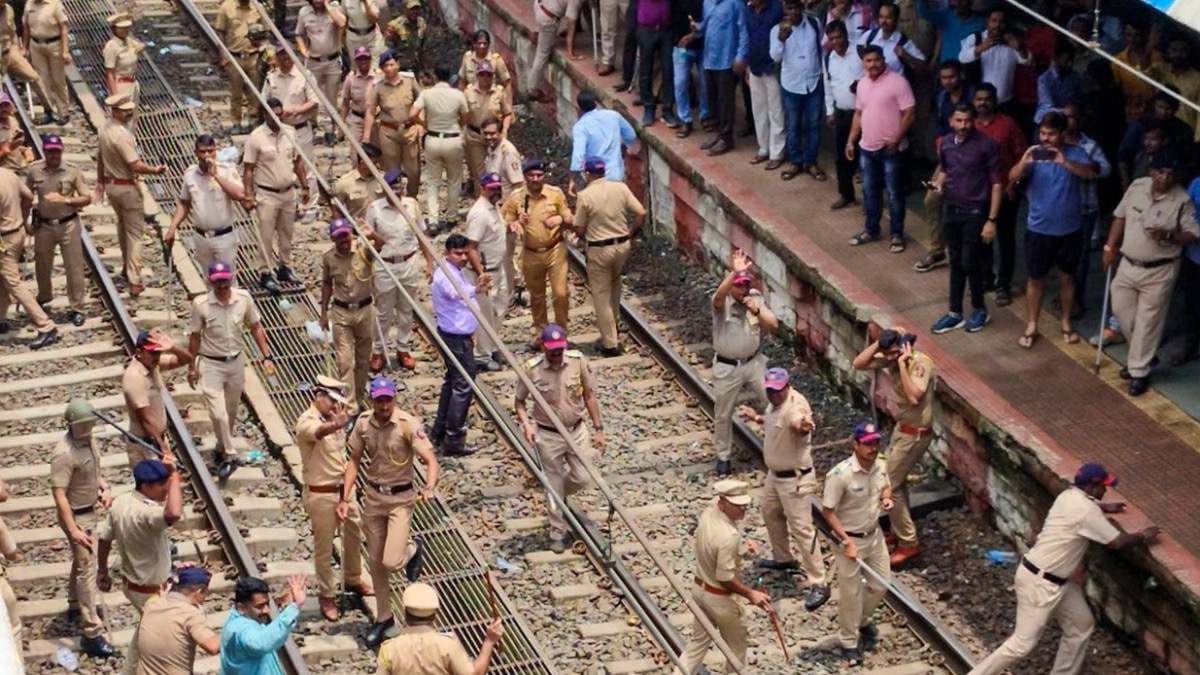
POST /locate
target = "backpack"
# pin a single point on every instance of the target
(909, 73)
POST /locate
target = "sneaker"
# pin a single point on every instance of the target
(648, 116)
(949, 321)
(931, 261)
(978, 319)
(1111, 337)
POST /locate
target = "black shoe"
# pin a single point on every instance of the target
(44, 338)
(377, 630)
(841, 203)
(710, 142)
(48, 118)
(622, 86)
(1139, 386)
(97, 647)
(817, 596)
(284, 274)
(851, 655)
(1125, 374)
(61, 119)
(746, 131)
(73, 615)
(723, 468)
(77, 318)
(267, 281)
(463, 451)
(607, 351)
(769, 564)
(4, 327)
(868, 636)
(226, 468)
(330, 138)
(412, 568)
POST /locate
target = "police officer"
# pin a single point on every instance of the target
(77, 488)
(607, 216)
(537, 212)
(117, 176)
(322, 440)
(357, 187)
(264, 57)
(1045, 586)
(486, 249)
(319, 27)
(233, 26)
(352, 99)
(443, 111)
(718, 556)
(120, 58)
(485, 100)
(389, 101)
(173, 625)
(419, 649)
(389, 438)
(17, 66)
(563, 378)
(61, 191)
(9, 552)
(481, 42)
(855, 491)
(143, 386)
(394, 236)
(271, 169)
(15, 153)
(790, 483)
(503, 159)
(346, 275)
(217, 319)
(405, 36)
(45, 36)
(740, 315)
(912, 383)
(15, 200)
(362, 29)
(208, 193)
(299, 111)
(456, 326)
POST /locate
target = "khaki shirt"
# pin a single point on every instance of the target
(11, 192)
(356, 14)
(920, 414)
(603, 208)
(210, 206)
(421, 650)
(67, 180)
(43, 17)
(234, 21)
(323, 459)
(273, 156)
(717, 542)
(1139, 208)
(120, 56)
(171, 628)
(355, 191)
(443, 105)
(220, 324)
(355, 89)
(395, 99)
(855, 494)
(551, 202)
(8, 28)
(14, 155)
(562, 388)
(392, 225)
(506, 161)
(488, 231)
(318, 31)
(466, 72)
(484, 104)
(145, 389)
(350, 274)
(292, 90)
(390, 446)
(407, 40)
(137, 526)
(785, 448)
(75, 467)
(1074, 520)
(735, 332)
(118, 151)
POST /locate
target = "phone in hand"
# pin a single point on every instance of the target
(1042, 154)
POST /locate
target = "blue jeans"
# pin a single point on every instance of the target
(802, 122)
(684, 61)
(882, 169)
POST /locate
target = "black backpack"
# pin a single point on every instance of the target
(909, 73)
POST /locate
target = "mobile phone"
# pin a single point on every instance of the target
(1042, 154)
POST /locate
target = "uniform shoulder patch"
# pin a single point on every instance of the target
(840, 467)
(573, 353)
(534, 361)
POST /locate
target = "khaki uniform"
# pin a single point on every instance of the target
(43, 19)
(273, 155)
(121, 57)
(506, 161)
(75, 468)
(1142, 285)
(400, 257)
(443, 106)
(213, 216)
(233, 22)
(789, 487)
(545, 254)
(118, 151)
(486, 228)
(400, 145)
(12, 239)
(15, 64)
(388, 503)
(144, 389)
(220, 363)
(293, 91)
(407, 39)
(8, 546)
(563, 389)
(355, 89)
(1074, 521)
(547, 14)
(602, 214)
(737, 363)
(356, 192)
(910, 439)
(466, 72)
(717, 561)
(480, 106)
(350, 315)
(171, 628)
(324, 460)
(361, 31)
(422, 650)
(57, 225)
(854, 494)
(15, 154)
(324, 42)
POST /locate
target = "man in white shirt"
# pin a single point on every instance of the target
(898, 49)
(843, 68)
(998, 51)
(796, 46)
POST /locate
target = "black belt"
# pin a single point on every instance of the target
(475, 128)
(736, 362)
(458, 336)
(57, 221)
(443, 134)
(358, 113)
(322, 59)
(1052, 578)
(655, 26)
(8, 232)
(222, 359)
(1150, 265)
(393, 259)
(361, 31)
(792, 473)
(300, 125)
(548, 427)
(46, 40)
(357, 304)
(608, 242)
(862, 535)
(208, 234)
(390, 489)
(277, 191)
(83, 510)
(243, 55)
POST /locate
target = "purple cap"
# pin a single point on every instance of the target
(52, 142)
(392, 176)
(484, 66)
(489, 179)
(1094, 473)
(554, 337)
(775, 378)
(742, 278)
(219, 269)
(361, 51)
(145, 340)
(5, 98)
(866, 432)
(593, 165)
(381, 387)
(338, 226)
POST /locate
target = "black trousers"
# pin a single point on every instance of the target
(1006, 243)
(845, 167)
(629, 48)
(656, 42)
(449, 426)
(962, 229)
(1189, 282)
(721, 84)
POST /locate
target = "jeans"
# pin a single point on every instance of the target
(803, 125)
(962, 229)
(882, 169)
(449, 425)
(684, 61)
(655, 42)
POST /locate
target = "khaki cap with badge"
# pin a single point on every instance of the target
(420, 600)
(120, 20)
(733, 491)
(335, 389)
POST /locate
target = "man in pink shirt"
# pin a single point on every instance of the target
(883, 111)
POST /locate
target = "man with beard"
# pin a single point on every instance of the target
(249, 636)
(456, 325)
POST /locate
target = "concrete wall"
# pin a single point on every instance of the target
(980, 438)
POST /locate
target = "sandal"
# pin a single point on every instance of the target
(897, 245)
(759, 159)
(1070, 336)
(791, 172)
(863, 237)
(1029, 339)
(817, 173)
(773, 164)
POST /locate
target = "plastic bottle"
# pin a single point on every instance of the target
(66, 658)
(1002, 557)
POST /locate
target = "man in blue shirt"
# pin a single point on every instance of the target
(599, 133)
(721, 28)
(954, 24)
(796, 46)
(760, 16)
(250, 636)
(456, 325)
(1059, 83)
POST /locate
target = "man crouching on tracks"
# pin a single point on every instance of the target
(564, 379)
(389, 437)
(420, 649)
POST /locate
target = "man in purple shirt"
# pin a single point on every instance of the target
(654, 42)
(968, 178)
(456, 326)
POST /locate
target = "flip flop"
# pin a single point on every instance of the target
(1028, 340)
(791, 172)
(863, 238)
(1070, 336)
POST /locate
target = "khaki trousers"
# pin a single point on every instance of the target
(476, 154)
(222, 383)
(444, 162)
(728, 382)
(223, 248)
(1140, 299)
(400, 152)
(513, 267)
(82, 591)
(12, 287)
(276, 225)
(391, 307)
(65, 237)
(611, 12)
(10, 606)
(355, 122)
(547, 36)
(325, 527)
(858, 594)
(48, 64)
(304, 142)
(239, 95)
(1038, 601)
(132, 657)
(902, 453)
(386, 520)
(372, 40)
(19, 68)
(787, 511)
(564, 469)
(352, 347)
(536, 268)
(724, 613)
(493, 305)
(604, 266)
(137, 452)
(328, 75)
(128, 204)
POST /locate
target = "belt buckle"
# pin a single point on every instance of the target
(381, 488)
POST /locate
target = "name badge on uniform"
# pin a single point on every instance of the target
(857, 488)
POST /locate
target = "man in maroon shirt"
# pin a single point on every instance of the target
(1004, 130)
